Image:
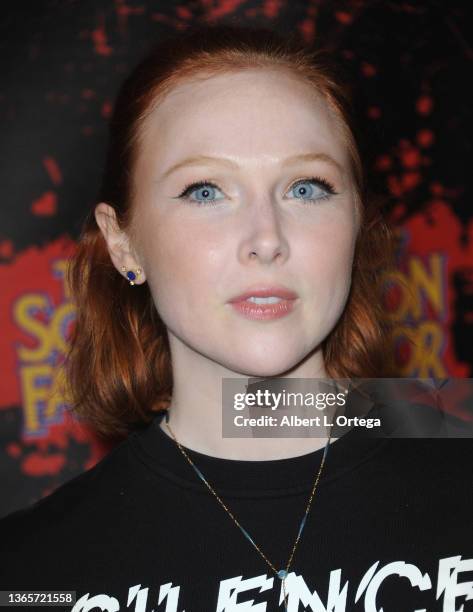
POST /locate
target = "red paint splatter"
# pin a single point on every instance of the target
(383, 163)
(436, 188)
(87, 94)
(14, 450)
(368, 69)
(36, 464)
(410, 180)
(410, 158)
(343, 17)
(52, 168)
(394, 185)
(374, 112)
(215, 9)
(124, 11)
(159, 17)
(48, 491)
(398, 212)
(307, 28)
(45, 205)
(6, 249)
(183, 12)
(424, 105)
(271, 8)
(99, 38)
(425, 138)
(106, 109)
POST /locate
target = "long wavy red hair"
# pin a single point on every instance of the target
(118, 369)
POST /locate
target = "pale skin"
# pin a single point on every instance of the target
(256, 227)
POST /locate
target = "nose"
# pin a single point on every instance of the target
(263, 238)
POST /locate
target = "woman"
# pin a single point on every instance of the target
(233, 178)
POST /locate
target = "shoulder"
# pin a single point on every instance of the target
(36, 541)
(432, 468)
(75, 501)
(432, 439)
(439, 451)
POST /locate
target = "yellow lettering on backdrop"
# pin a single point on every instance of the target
(42, 383)
(429, 283)
(425, 341)
(34, 327)
(60, 316)
(426, 337)
(33, 393)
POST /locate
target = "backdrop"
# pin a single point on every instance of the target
(407, 63)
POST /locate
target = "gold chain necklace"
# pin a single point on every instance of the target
(282, 573)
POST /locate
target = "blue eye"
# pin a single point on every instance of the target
(206, 190)
(308, 190)
(315, 189)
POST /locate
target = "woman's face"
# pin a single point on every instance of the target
(259, 218)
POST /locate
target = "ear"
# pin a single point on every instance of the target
(118, 242)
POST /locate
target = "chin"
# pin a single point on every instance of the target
(262, 368)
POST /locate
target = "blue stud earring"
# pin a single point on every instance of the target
(131, 276)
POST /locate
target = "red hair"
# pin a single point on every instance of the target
(118, 368)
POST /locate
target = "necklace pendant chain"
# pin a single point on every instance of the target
(282, 574)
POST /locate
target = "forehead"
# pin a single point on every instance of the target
(250, 113)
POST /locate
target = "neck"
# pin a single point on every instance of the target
(195, 417)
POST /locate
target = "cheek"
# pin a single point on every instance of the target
(327, 258)
(182, 266)
(332, 239)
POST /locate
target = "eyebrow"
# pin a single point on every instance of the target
(204, 159)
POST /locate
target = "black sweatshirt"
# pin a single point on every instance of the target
(390, 529)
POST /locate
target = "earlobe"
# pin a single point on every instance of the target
(132, 275)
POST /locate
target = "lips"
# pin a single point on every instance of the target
(279, 291)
